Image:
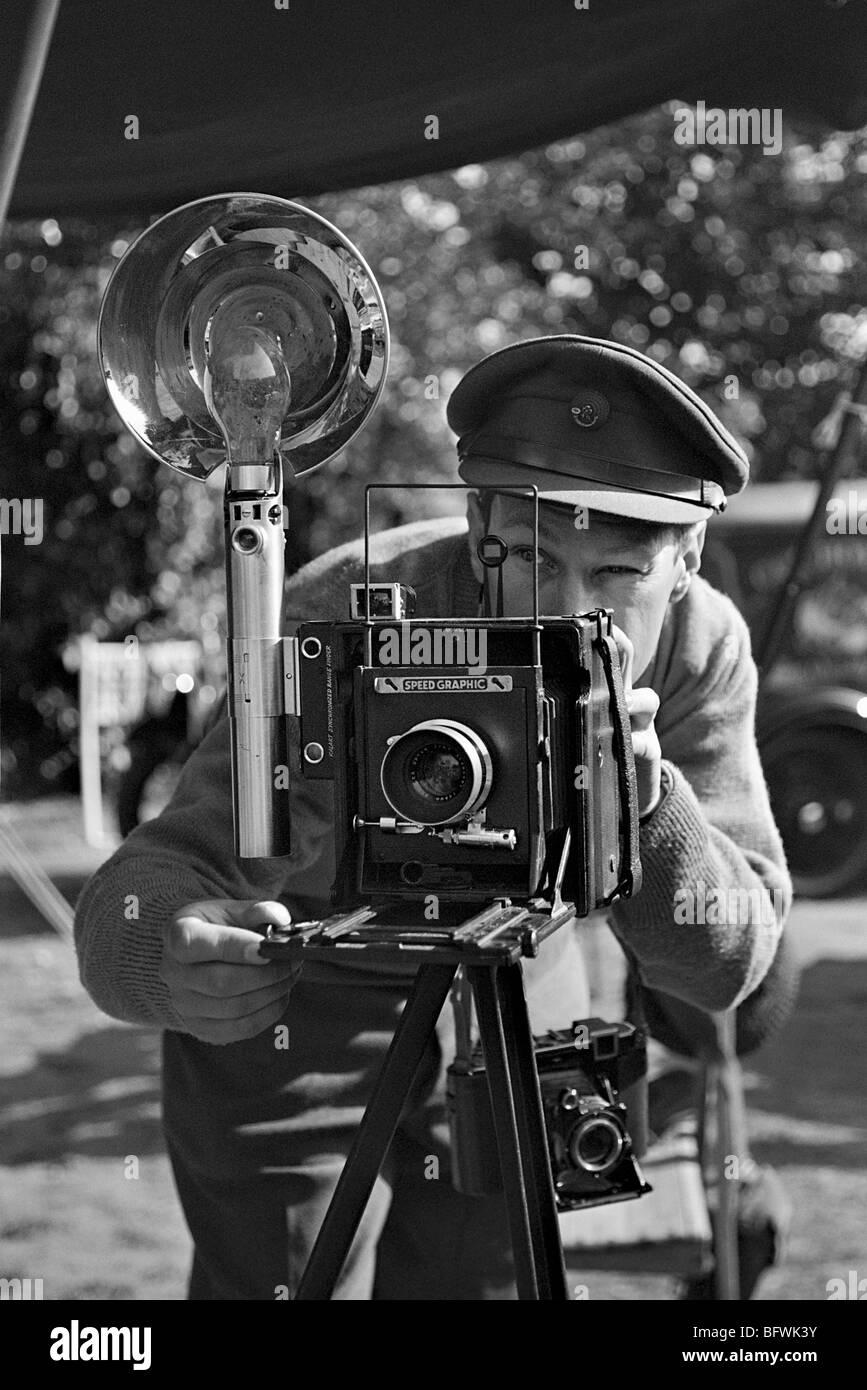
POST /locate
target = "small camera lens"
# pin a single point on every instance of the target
(412, 871)
(246, 539)
(596, 1144)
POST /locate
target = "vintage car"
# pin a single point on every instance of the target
(812, 718)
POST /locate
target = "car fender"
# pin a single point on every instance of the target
(826, 707)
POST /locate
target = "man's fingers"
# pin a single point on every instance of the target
(645, 745)
(263, 914)
(223, 1031)
(627, 655)
(191, 1004)
(193, 940)
(218, 981)
(643, 707)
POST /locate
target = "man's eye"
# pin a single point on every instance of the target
(528, 555)
(619, 569)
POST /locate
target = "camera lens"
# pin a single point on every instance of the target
(596, 1144)
(436, 773)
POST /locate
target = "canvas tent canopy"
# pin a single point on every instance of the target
(297, 99)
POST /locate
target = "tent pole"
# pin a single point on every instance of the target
(18, 108)
(15, 118)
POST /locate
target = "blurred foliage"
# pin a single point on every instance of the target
(719, 262)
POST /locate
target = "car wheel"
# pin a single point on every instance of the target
(817, 781)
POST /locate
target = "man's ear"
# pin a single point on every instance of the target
(476, 523)
(689, 560)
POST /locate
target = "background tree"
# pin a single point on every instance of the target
(743, 273)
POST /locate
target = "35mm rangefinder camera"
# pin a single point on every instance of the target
(466, 778)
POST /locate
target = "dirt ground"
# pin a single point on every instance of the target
(86, 1196)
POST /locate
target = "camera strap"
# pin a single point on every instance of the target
(630, 863)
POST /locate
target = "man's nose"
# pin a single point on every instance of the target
(574, 596)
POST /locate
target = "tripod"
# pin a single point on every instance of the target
(489, 946)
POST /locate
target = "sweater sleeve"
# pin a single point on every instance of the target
(187, 854)
(716, 890)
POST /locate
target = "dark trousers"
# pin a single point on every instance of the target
(258, 1135)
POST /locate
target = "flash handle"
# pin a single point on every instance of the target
(262, 676)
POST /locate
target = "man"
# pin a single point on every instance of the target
(630, 465)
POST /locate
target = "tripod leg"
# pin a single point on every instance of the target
(482, 979)
(416, 1025)
(520, 1131)
(532, 1135)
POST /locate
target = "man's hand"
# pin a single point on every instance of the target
(643, 705)
(219, 984)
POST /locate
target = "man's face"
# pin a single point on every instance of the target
(606, 564)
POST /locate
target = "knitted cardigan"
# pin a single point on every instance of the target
(712, 835)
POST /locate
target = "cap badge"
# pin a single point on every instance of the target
(590, 409)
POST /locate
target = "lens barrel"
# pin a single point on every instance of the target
(436, 773)
(596, 1144)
